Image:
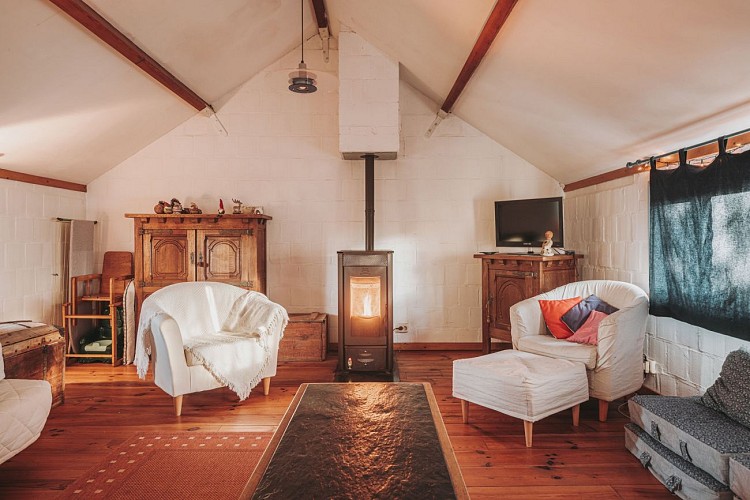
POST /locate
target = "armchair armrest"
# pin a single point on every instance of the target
(171, 372)
(526, 319)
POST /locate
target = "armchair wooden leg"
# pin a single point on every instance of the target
(576, 415)
(266, 386)
(465, 411)
(178, 405)
(528, 432)
(603, 409)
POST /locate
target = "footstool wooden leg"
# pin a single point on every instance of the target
(528, 429)
(465, 411)
(603, 408)
(266, 386)
(576, 414)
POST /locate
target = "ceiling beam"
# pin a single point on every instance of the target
(96, 24)
(495, 21)
(321, 15)
(41, 181)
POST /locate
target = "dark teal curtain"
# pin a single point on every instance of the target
(700, 243)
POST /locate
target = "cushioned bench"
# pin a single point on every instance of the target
(520, 384)
(24, 407)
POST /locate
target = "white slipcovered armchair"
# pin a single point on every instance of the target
(614, 366)
(204, 335)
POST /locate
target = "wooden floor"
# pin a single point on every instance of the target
(104, 406)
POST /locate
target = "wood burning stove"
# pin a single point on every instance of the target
(366, 297)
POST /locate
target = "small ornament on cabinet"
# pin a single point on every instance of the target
(221, 207)
(159, 207)
(194, 209)
(237, 208)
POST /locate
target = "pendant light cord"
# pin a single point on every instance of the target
(302, 26)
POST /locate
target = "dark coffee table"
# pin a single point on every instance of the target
(359, 440)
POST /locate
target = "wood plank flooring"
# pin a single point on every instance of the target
(104, 406)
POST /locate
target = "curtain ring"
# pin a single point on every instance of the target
(683, 156)
(722, 144)
(652, 162)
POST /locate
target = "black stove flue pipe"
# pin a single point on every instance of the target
(369, 201)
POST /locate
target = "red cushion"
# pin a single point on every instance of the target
(552, 310)
(588, 333)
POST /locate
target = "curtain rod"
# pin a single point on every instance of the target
(641, 161)
(61, 219)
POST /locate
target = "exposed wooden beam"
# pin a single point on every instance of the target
(321, 15)
(96, 24)
(606, 177)
(498, 16)
(42, 181)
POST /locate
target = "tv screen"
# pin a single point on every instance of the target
(522, 223)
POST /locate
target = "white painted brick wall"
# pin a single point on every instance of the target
(27, 246)
(434, 205)
(368, 96)
(608, 223)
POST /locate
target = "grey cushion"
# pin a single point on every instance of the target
(730, 394)
(699, 434)
(679, 476)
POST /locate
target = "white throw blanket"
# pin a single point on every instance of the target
(224, 346)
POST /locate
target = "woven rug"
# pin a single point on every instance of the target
(168, 465)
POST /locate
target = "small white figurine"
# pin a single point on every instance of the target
(547, 245)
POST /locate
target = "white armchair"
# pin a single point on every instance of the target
(179, 320)
(614, 366)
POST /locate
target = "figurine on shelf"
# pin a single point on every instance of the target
(547, 244)
(221, 207)
(176, 206)
(194, 209)
(237, 208)
(159, 207)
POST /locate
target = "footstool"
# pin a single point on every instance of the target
(520, 384)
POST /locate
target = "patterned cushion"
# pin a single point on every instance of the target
(730, 394)
(578, 314)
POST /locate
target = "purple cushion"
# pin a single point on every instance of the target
(579, 313)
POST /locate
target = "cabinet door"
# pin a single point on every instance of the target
(506, 288)
(168, 257)
(226, 255)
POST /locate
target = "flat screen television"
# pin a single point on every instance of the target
(522, 223)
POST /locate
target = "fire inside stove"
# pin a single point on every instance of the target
(365, 306)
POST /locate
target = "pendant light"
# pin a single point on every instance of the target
(302, 81)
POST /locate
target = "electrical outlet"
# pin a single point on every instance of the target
(646, 366)
(402, 328)
(653, 367)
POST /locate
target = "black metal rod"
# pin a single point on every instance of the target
(641, 161)
(369, 202)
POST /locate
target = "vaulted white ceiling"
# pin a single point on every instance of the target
(577, 88)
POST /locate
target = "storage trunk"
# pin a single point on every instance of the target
(35, 351)
(305, 338)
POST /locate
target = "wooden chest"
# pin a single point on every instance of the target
(305, 338)
(35, 351)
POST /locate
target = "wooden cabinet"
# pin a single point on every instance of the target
(204, 247)
(507, 279)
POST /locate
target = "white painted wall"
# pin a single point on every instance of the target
(368, 97)
(433, 207)
(27, 246)
(608, 223)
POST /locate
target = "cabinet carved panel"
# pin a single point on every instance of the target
(176, 248)
(508, 279)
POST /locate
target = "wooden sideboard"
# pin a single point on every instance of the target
(199, 247)
(509, 278)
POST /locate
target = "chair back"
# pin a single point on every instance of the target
(115, 264)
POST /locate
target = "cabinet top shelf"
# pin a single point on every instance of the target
(525, 256)
(198, 216)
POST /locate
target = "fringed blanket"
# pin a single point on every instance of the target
(229, 346)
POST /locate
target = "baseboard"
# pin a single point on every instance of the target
(428, 346)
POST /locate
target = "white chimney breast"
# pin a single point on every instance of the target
(368, 99)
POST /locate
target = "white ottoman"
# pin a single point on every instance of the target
(520, 384)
